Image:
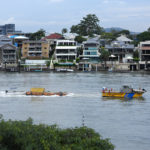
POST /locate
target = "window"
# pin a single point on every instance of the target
(93, 53)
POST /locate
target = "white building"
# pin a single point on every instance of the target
(144, 52)
(124, 39)
(91, 50)
(66, 50)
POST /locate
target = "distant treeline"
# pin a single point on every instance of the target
(24, 135)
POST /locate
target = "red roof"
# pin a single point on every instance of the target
(54, 36)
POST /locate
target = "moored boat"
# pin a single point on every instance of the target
(125, 92)
(41, 91)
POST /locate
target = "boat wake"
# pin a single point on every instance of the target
(23, 94)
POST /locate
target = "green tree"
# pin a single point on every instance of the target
(47, 63)
(143, 36)
(37, 35)
(136, 55)
(64, 30)
(75, 29)
(80, 39)
(126, 32)
(79, 51)
(104, 56)
(109, 36)
(88, 26)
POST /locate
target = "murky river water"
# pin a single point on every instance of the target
(126, 122)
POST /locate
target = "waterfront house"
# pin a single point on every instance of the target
(8, 53)
(66, 50)
(91, 54)
(91, 50)
(8, 56)
(65, 54)
(144, 53)
(122, 51)
(35, 49)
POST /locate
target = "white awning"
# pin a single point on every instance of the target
(21, 38)
(129, 57)
(112, 56)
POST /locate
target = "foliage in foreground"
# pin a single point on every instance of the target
(24, 135)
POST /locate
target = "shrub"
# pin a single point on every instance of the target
(24, 135)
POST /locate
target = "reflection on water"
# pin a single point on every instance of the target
(125, 121)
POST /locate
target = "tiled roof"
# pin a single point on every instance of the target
(54, 36)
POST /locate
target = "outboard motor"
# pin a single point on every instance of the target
(144, 90)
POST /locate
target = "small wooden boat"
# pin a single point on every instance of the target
(41, 91)
(125, 92)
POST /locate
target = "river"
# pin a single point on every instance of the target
(125, 122)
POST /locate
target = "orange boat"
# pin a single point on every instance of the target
(41, 91)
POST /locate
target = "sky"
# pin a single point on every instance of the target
(54, 15)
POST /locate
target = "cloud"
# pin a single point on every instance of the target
(55, 1)
(113, 1)
(7, 21)
(35, 23)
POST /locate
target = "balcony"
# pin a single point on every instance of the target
(34, 51)
(145, 48)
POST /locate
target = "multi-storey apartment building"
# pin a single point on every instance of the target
(7, 28)
(144, 53)
(91, 50)
(7, 54)
(66, 50)
(90, 55)
(35, 49)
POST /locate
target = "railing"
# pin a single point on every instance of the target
(145, 48)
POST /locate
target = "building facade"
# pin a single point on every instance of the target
(121, 50)
(66, 50)
(91, 50)
(144, 53)
(35, 49)
(5, 40)
(8, 54)
(90, 55)
(7, 28)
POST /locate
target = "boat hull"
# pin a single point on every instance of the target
(46, 93)
(121, 95)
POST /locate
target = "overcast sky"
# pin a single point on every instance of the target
(53, 15)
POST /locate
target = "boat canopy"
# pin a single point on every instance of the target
(39, 90)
